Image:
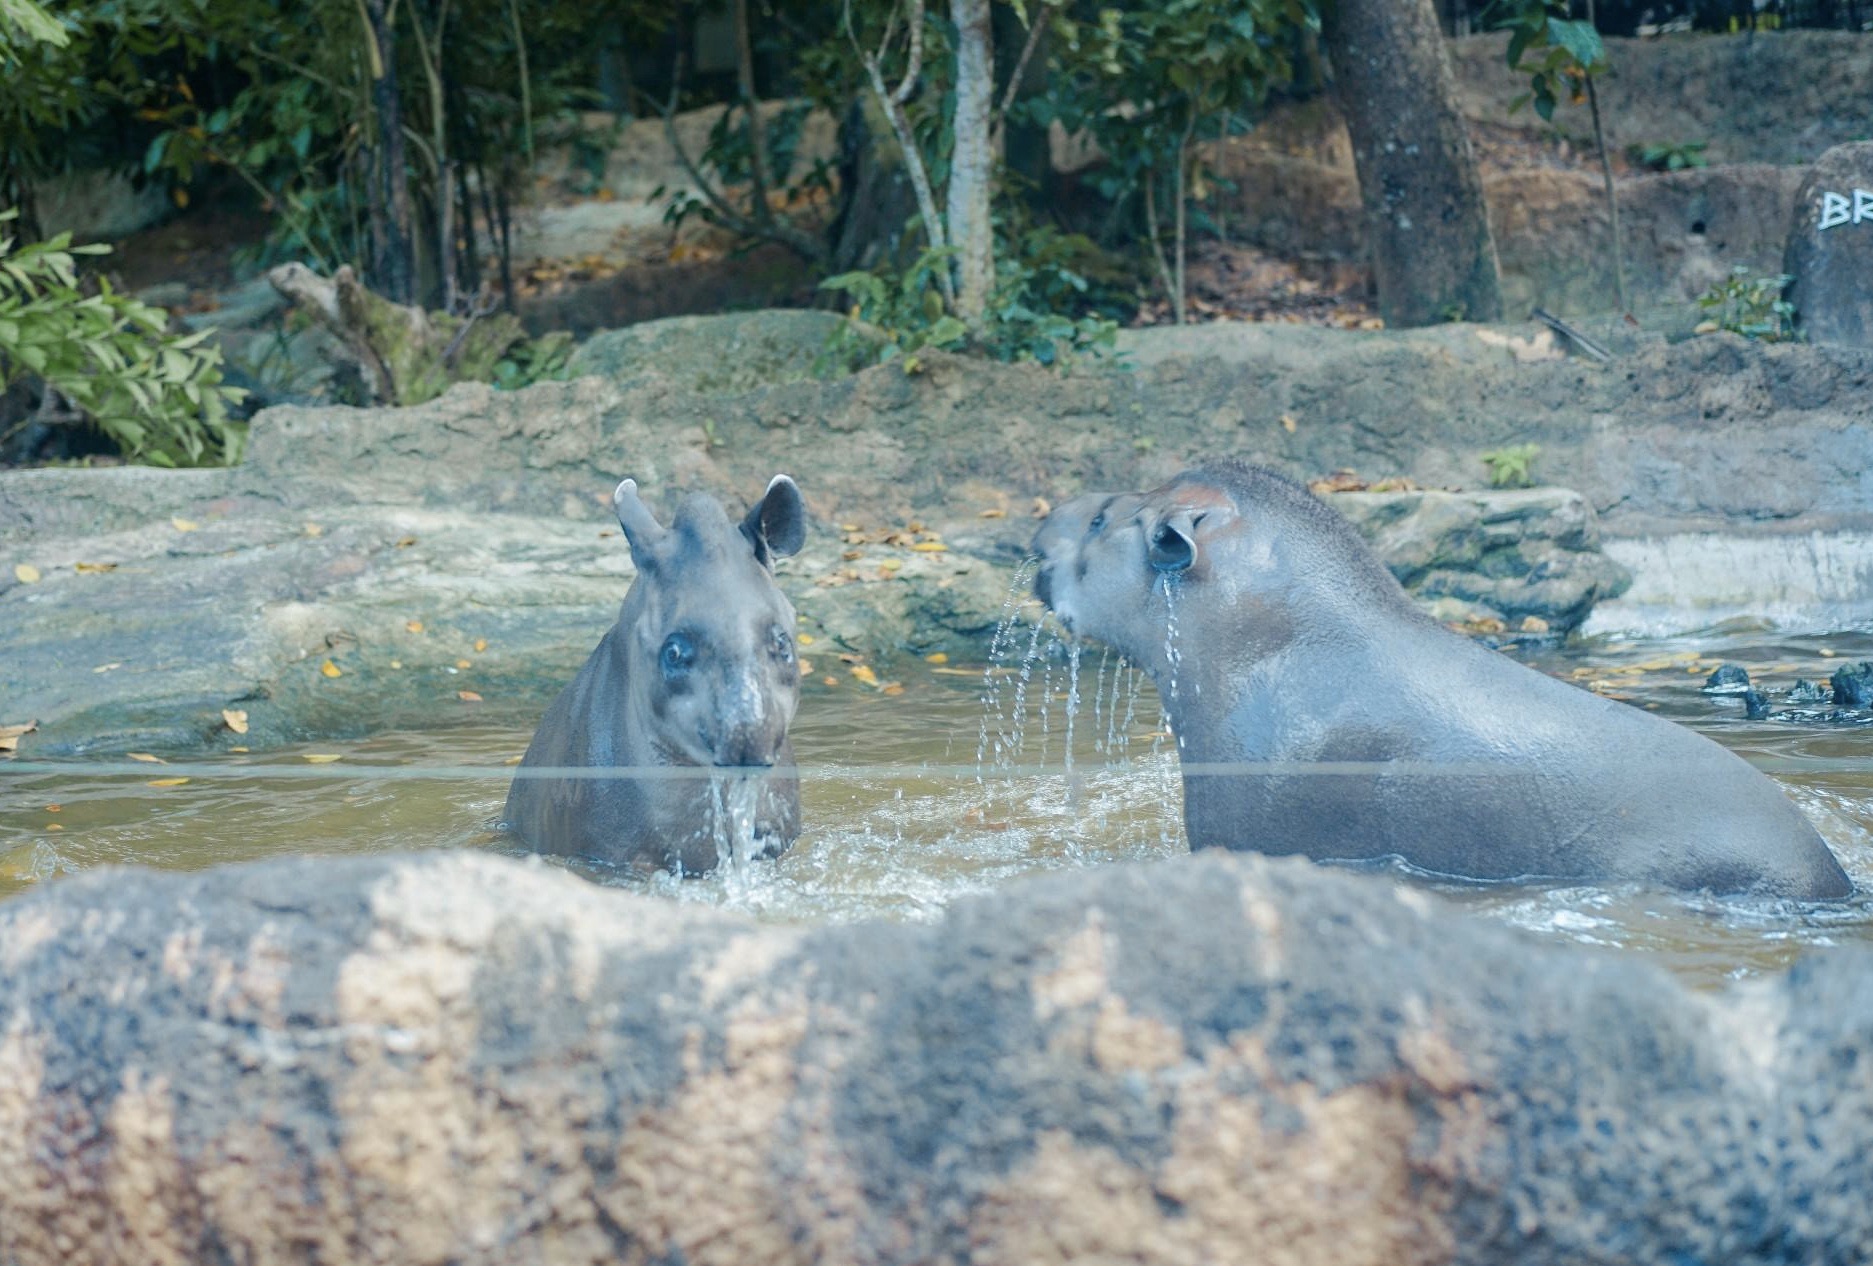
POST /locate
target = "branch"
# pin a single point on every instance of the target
(914, 65)
(793, 239)
(757, 139)
(907, 145)
(1021, 68)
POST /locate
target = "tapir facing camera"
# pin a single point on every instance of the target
(669, 749)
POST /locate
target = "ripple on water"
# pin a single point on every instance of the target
(914, 800)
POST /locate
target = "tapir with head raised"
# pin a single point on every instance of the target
(669, 749)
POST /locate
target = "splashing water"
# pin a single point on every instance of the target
(994, 746)
(734, 804)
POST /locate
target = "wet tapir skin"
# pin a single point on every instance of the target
(1360, 729)
(694, 686)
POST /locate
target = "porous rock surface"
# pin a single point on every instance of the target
(463, 1059)
(1510, 557)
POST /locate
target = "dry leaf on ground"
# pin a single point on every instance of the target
(236, 719)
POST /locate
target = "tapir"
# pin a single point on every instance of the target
(1318, 711)
(669, 749)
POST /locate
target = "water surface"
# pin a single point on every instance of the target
(915, 797)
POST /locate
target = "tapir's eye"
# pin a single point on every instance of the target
(1099, 522)
(678, 655)
(780, 642)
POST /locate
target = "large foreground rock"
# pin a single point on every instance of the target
(462, 1059)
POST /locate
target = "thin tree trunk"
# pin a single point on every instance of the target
(1426, 225)
(1157, 244)
(431, 52)
(1612, 199)
(393, 269)
(892, 103)
(1612, 190)
(504, 222)
(1179, 299)
(972, 162)
(751, 105)
(526, 79)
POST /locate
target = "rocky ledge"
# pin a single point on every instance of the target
(395, 544)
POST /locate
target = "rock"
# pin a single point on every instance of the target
(1830, 248)
(727, 355)
(94, 204)
(1805, 691)
(1853, 685)
(1755, 705)
(504, 492)
(1506, 557)
(404, 354)
(1729, 679)
(462, 1058)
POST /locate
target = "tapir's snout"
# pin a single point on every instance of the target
(749, 747)
(750, 728)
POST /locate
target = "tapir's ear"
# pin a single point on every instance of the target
(640, 526)
(776, 527)
(1173, 543)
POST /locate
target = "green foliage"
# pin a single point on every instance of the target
(1554, 51)
(1751, 306)
(1510, 467)
(1036, 313)
(544, 359)
(1185, 69)
(33, 22)
(1670, 157)
(159, 396)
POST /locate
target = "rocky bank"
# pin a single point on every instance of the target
(394, 545)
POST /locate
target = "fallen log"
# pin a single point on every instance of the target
(458, 1058)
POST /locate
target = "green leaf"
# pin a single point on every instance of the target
(1580, 40)
(947, 331)
(38, 25)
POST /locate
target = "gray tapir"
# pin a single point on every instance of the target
(693, 689)
(1318, 711)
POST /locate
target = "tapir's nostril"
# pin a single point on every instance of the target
(745, 748)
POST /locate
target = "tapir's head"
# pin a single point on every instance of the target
(707, 635)
(1240, 557)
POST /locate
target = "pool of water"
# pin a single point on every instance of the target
(935, 783)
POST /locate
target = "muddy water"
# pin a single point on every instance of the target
(914, 798)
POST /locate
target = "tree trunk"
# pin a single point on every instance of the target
(393, 257)
(972, 163)
(1432, 254)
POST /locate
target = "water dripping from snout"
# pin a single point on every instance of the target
(734, 802)
(993, 748)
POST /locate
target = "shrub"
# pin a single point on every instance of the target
(1511, 467)
(1041, 309)
(1750, 306)
(157, 395)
